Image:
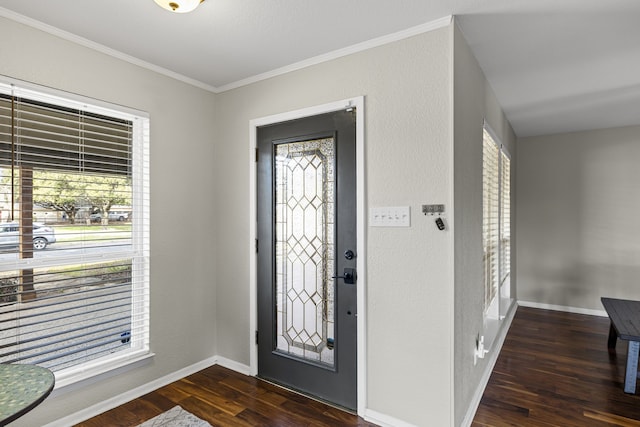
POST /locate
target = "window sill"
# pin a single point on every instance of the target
(101, 369)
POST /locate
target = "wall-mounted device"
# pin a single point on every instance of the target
(480, 351)
(432, 209)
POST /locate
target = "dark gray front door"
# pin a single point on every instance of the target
(307, 237)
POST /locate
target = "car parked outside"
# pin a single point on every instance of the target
(113, 216)
(43, 235)
(118, 216)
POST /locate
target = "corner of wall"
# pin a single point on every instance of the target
(473, 102)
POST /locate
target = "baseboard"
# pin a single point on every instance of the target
(233, 365)
(372, 416)
(384, 420)
(381, 420)
(577, 310)
(491, 363)
(123, 398)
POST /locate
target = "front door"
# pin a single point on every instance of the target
(307, 256)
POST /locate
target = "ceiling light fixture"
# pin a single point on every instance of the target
(179, 6)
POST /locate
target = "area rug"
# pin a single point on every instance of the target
(175, 417)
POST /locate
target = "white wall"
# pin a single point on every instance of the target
(578, 227)
(182, 154)
(407, 92)
(473, 102)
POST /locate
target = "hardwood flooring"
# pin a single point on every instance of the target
(226, 398)
(554, 370)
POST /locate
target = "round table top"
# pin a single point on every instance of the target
(22, 388)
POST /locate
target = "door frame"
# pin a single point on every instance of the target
(358, 103)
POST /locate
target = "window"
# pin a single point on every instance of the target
(496, 224)
(505, 222)
(73, 289)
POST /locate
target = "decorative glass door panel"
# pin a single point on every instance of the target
(304, 258)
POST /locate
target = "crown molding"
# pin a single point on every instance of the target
(38, 25)
(349, 50)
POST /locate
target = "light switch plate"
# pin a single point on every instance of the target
(393, 216)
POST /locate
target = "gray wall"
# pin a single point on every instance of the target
(578, 203)
(406, 86)
(183, 257)
(473, 102)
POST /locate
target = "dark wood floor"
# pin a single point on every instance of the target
(226, 398)
(554, 370)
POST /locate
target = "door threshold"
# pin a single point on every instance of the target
(308, 396)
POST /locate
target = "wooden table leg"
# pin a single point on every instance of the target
(631, 374)
(613, 336)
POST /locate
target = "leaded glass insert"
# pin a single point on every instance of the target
(304, 238)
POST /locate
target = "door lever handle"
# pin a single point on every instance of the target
(349, 276)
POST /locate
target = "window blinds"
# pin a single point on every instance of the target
(496, 218)
(505, 218)
(490, 216)
(51, 137)
(75, 175)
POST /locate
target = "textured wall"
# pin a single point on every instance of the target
(473, 102)
(200, 157)
(182, 151)
(406, 86)
(578, 227)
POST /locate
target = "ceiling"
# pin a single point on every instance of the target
(555, 66)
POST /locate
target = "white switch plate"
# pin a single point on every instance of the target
(393, 216)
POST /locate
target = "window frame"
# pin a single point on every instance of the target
(139, 251)
(497, 285)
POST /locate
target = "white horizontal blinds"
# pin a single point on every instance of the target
(490, 217)
(53, 137)
(80, 163)
(5, 121)
(496, 226)
(141, 208)
(81, 312)
(81, 166)
(77, 176)
(505, 217)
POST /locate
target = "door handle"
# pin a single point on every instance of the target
(349, 276)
